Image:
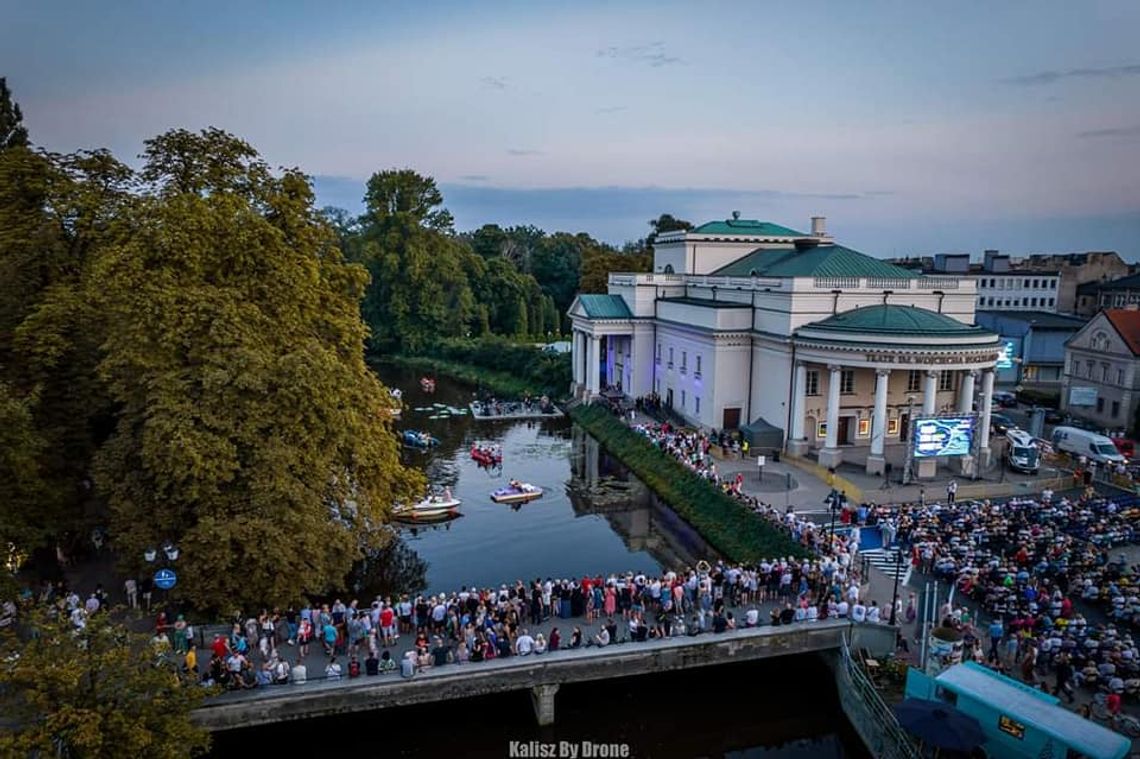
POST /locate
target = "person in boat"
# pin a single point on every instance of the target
(514, 485)
(447, 494)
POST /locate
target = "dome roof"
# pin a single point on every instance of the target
(896, 320)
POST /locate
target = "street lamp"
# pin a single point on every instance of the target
(909, 438)
(895, 592)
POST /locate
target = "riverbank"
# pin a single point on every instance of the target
(726, 523)
(499, 383)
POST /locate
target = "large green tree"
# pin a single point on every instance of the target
(249, 429)
(93, 693)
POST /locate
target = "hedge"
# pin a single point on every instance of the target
(729, 526)
(505, 367)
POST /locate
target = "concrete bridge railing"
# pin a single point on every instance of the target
(542, 675)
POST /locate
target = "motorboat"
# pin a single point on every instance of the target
(432, 506)
(417, 439)
(486, 455)
(427, 384)
(517, 492)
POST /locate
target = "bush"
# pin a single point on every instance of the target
(729, 526)
(503, 366)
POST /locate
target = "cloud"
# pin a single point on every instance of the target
(474, 177)
(494, 82)
(1128, 131)
(612, 109)
(1049, 77)
(653, 54)
(523, 152)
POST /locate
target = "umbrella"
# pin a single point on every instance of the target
(940, 725)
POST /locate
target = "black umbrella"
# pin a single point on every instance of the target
(940, 725)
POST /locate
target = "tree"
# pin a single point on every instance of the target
(666, 222)
(404, 196)
(522, 327)
(249, 429)
(13, 133)
(92, 693)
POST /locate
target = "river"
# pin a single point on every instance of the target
(593, 517)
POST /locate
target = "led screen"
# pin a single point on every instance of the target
(944, 436)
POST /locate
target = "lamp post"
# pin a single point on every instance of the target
(909, 438)
(895, 592)
(164, 577)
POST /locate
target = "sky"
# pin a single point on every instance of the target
(913, 127)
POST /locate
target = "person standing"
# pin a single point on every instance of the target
(951, 492)
(131, 588)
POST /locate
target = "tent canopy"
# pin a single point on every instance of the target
(761, 435)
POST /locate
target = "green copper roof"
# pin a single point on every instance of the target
(896, 320)
(605, 306)
(746, 227)
(817, 261)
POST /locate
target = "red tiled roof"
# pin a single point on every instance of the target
(1127, 323)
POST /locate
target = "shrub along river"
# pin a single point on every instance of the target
(593, 518)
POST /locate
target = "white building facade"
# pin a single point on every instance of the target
(744, 321)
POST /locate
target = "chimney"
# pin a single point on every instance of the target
(819, 226)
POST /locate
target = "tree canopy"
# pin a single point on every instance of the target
(91, 693)
(13, 133)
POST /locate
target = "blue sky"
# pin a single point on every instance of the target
(913, 128)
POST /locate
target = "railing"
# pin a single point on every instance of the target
(871, 717)
(889, 284)
(938, 283)
(837, 283)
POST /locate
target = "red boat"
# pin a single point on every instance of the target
(486, 456)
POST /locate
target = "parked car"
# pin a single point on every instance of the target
(1126, 447)
(1001, 424)
(1091, 445)
(1022, 454)
(1005, 399)
(1053, 416)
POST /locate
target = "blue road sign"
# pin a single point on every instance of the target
(164, 579)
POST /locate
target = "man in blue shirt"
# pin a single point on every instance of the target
(996, 633)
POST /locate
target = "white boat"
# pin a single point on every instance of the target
(432, 506)
(517, 492)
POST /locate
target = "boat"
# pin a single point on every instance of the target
(427, 384)
(517, 492)
(396, 406)
(486, 455)
(432, 506)
(417, 439)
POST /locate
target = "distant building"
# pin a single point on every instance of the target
(745, 321)
(1101, 382)
(1033, 346)
(1075, 269)
(1113, 293)
(1000, 286)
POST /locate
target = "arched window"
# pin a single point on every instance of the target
(753, 273)
(668, 268)
(1100, 340)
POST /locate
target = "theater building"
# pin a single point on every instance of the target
(744, 321)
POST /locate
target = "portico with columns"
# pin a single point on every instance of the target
(608, 348)
(862, 377)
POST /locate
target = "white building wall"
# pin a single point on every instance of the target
(641, 379)
(728, 382)
(1017, 291)
(771, 384)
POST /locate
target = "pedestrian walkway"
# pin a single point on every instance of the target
(886, 560)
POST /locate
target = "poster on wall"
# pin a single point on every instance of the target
(1082, 396)
(944, 436)
(1006, 355)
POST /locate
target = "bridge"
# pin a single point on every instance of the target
(541, 674)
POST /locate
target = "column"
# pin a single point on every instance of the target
(830, 456)
(930, 393)
(593, 378)
(966, 398)
(576, 357)
(876, 462)
(797, 444)
(542, 697)
(987, 408)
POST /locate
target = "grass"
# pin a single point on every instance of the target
(728, 526)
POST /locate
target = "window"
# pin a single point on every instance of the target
(1034, 303)
(1051, 301)
(658, 358)
(1089, 369)
(914, 381)
(1052, 284)
(811, 382)
(697, 374)
(696, 404)
(684, 363)
(946, 380)
(682, 399)
(1026, 285)
(1104, 372)
(1100, 405)
(1115, 409)
(847, 381)
(670, 358)
(1120, 376)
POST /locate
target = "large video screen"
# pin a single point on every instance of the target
(944, 436)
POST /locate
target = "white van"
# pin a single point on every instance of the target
(1092, 446)
(1022, 453)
